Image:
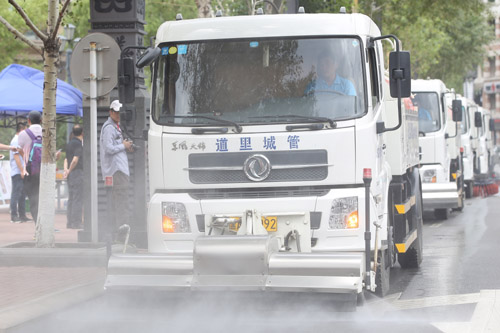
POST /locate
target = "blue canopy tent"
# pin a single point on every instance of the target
(21, 91)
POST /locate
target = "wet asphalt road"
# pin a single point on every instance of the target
(460, 259)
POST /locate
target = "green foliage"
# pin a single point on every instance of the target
(321, 6)
(6, 134)
(159, 11)
(79, 15)
(12, 47)
(446, 38)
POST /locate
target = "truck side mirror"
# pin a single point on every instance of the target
(147, 58)
(478, 121)
(456, 106)
(401, 73)
(492, 125)
(126, 80)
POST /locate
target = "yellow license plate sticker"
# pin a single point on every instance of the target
(270, 223)
(235, 226)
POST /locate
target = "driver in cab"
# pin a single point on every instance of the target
(328, 81)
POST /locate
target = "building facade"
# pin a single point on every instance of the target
(485, 88)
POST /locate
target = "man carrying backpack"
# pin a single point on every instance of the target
(30, 141)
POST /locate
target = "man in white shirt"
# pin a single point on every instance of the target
(17, 196)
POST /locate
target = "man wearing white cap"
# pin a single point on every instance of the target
(114, 164)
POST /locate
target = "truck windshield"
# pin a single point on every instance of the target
(428, 111)
(259, 81)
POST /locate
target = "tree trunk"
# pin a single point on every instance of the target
(46, 212)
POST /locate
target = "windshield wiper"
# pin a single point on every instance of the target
(220, 121)
(313, 127)
(332, 123)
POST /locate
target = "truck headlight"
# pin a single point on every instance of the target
(429, 176)
(344, 213)
(174, 217)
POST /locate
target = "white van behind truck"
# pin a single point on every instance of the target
(469, 144)
(485, 144)
(441, 166)
(264, 177)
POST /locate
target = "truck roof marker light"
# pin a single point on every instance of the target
(352, 221)
(167, 224)
(178, 17)
(367, 173)
(301, 10)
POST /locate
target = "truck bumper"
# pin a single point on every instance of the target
(238, 263)
(440, 195)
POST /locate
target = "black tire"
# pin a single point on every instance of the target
(382, 279)
(413, 256)
(441, 213)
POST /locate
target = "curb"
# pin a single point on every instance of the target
(12, 317)
(63, 254)
(10, 256)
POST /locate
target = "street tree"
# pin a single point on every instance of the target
(446, 39)
(12, 50)
(50, 55)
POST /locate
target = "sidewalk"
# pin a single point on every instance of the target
(36, 281)
(24, 232)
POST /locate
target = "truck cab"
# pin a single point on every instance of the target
(270, 166)
(440, 142)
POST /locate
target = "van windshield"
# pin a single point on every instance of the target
(428, 111)
(258, 81)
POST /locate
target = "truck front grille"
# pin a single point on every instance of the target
(289, 166)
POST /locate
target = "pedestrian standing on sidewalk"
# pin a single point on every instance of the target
(114, 165)
(31, 179)
(17, 196)
(73, 171)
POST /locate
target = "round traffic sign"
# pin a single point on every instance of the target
(107, 55)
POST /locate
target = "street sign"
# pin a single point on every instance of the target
(108, 53)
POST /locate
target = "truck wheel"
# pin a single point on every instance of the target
(441, 213)
(413, 256)
(382, 279)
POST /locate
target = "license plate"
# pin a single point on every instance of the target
(270, 223)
